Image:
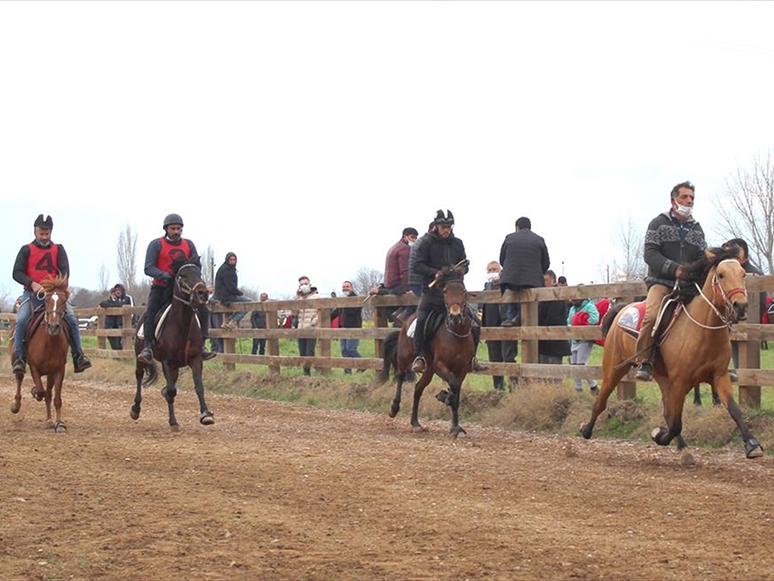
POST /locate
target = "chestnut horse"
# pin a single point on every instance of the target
(179, 343)
(448, 353)
(696, 348)
(47, 345)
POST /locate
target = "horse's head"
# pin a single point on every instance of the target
(729, 292)
(455, 298)
(189, 284)
(54, 296)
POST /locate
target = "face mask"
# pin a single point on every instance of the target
(305, 288)
(492, 276)
(411, 243)
(684, 211)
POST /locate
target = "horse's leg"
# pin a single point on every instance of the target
(139, 372)
(58, 379)
(455, 388)
(697, 394)
(16, 404)
(401, 361)
(419, 388)
(206, 417)
(610, 378)
(169, 392)
(395, 407)
(722, 384)
(672, 399)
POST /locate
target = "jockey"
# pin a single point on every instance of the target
(35, 262)
(439, 249)
(158, 265)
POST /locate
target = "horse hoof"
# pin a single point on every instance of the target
(134, 415)
(657, 433)
(393, 412)
(686, 458)
(417, 429)
(175, 428)
(60, 428)
(15, 407)
(753, 449)
(459, 433)
(207, 418)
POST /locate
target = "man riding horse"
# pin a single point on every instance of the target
(441, 249)
(159, 258)
(36, 261)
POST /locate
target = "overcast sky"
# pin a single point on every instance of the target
(304, 136)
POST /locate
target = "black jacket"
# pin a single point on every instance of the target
(524, 258)
(553, 314)
(349, 317)
(226, 282)
(433, 254)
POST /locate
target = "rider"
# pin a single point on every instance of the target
(158, 265)
(441, 248)
(673, 239)
(35, 262)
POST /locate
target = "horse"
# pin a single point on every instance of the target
(179, 342)
(695, 349)
(448, 354)
(47, 346)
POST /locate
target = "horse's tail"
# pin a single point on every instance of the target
(390, 355)
(151, 374)
(607, 320)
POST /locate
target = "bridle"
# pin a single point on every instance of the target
(187, 291)
(59, 308)
(463, 306)
(727, 296)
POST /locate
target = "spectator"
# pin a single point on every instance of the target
(117, 298)
(227, 290)
(492, 316)
(258, 321)
(41, 259)
(306, 319)
(396, 272)
(349, 318)
(216, 319)
(582, 312)
(524, 258)
(673, 239)
(552, 314)
(561, 281)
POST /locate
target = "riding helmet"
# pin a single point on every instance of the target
(445, 219)
(44, 222)
(173, 219)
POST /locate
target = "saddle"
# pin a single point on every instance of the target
(432, 324)
(633, 314)
(38, 316)
(161, 318)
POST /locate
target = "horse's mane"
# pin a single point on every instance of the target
(697, 271)
(57, 283)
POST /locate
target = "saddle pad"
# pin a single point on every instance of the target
(632, 316)
(411, 329)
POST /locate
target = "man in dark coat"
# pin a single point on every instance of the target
(227, 290)
(524, 258)
(117, 298)
(492, 316)
(552, 314)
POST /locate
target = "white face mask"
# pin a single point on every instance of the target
(305, 288)
(492, 276)
(411, 243)
(684, 211)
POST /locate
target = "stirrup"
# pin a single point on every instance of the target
(419, 365)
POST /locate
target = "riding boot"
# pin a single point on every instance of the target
(146, 355)
(419, 365)
(19, 366)
(81, 362)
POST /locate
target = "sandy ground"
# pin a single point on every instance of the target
(277, 491)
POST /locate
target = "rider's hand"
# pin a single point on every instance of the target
(36, 287)
(680, 272)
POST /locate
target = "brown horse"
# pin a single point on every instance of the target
(47, 345)
(448, 354)
(696, 348)
(179, 343)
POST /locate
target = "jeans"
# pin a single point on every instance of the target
(259, 347)
(25, 314)
(239, 315)
(349, 349)
(306, 349)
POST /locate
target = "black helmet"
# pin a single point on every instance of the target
(447, 219)
(44, 222)
(172, 219)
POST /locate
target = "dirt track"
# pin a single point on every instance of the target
(275, 491)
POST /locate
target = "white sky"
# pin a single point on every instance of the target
(304, 136)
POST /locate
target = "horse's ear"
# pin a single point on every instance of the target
(709, 254)
(197, 261)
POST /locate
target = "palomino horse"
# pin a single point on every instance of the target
(449, 353)
(179, 343)
(697, 348)
(47, 346)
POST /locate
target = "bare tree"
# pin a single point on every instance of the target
(104, 279)
(629, 265)
(126, 259)
(362, 283)
(208, 266)
(747, 210)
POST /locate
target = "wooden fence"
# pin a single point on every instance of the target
(748, 335)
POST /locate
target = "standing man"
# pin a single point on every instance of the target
(396, 273)
(524, 258)
(306, 319)
(492, 316)
(227, 290)
(35, 262)
(552, 314)
(673, 239)
(349, 318)
(439, 249)
(117, 298)
(258, 321)
(159, 256)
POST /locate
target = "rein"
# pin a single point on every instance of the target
(185, 290)
(717, 289)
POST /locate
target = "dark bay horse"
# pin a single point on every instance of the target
(47, 345)
(695, 349)
(448, 354)
(179, 343)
